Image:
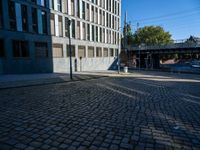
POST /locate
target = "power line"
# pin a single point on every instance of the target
(168, 15)
(175, 18)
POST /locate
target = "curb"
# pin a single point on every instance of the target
(49, 83)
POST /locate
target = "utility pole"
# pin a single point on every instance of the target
(139, 47)
(70, 48)
(125, 34)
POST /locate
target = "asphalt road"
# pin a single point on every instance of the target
(143, 111)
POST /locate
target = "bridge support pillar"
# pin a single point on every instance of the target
(155, 61)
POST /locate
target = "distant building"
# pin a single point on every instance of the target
(34, 35)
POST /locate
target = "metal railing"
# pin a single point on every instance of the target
(174, 45)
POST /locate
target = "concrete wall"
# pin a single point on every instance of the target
(31, 64)
(86, 64)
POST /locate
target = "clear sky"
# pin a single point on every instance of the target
(180, 17)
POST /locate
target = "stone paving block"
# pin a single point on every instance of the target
(111, 113)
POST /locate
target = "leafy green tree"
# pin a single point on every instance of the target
(151, 35)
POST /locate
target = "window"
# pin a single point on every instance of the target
(116, 52)
(88, 32)
(52, 4)
(98, 52)
(92, 14)
(100, 34)
(105, 52)
(44, 22)
(66, 27)
(97, 34)
(1, 15)
(12, 15)
(88, 12)
(81, 51)
(111, 52)
(60, 25)
(72, 8)
(34, 20)
(24, 17)
(43, 3)
(83, 10)
(2, 52)
(72, 49)
(59, 5)
(73, 28)
(93, 35)
(78, 29)
(57, 50)
(78, 8)
(52, 24)
(90, 52)
(41, 50)
(20, 48)
(83, 31)
(96, 15)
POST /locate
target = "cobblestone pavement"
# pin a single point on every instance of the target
(148, 112)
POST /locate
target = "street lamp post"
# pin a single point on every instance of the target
(70, 49)
(118, 55)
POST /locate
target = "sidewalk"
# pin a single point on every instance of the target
(23, 80)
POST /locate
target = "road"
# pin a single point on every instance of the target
(143, 111)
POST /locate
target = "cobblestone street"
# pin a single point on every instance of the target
(151, 111)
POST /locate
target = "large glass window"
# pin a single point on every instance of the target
(83, 10)
(52, 24)
(59, 5)
(105, 52)
(98, 52)
(73, 28)
(81, 51)
(60, 23)
(88, 32)
(2, 52)
(93, 33)
(90, 52)
(72, 49)
(12, 15)
(24, 17)
(57, 50)
(41, 50)
(44, 22)
(72, 8)
(34, 20)
(20, 48)
(111, 52)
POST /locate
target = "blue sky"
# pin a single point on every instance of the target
(180, 17)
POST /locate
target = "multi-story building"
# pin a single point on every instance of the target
(34, 35)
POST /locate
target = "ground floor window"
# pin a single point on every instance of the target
(111, 52)
(2, 52)
(72, 49)
(41, 49)
(57, 50)
(116, 52)
(20, 48)
(81, 52)
(105, 52)
(90, 52)
(98, 52)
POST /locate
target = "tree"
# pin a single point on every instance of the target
(151, 35)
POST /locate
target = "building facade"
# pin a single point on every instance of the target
(34, 35)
